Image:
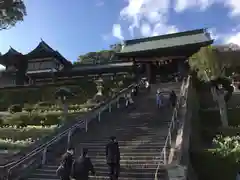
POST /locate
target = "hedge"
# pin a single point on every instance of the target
(34, 133)
(24, 119)
(84, 90)
(210, 166)
(211, 118)
(211, 124)
(8, 144)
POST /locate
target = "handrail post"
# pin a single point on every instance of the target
(173, 123)
(86, 125)
(126, 100)
(69, 137)
(170, 138)
(44, 157)
(164, 156)
(110, 107)
(118, 105)
(99, 116)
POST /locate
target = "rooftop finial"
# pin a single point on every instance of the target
(41, 39)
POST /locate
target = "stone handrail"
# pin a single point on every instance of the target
(181, 101)
(39, 155)
(181, 168)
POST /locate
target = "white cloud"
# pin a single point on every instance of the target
(146, 29)
(202, 5)
(145, 16)
(160, 28)
(117, 31)
(235, 39)
(150, 17)
(234, 5)
(214, 34)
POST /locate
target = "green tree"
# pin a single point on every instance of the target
(11, 12)
(206, 62)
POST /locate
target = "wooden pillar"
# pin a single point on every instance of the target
(135, 70)
(182, 67)
(148, 71)
(151, 72)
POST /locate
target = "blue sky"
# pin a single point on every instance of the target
(78, 26)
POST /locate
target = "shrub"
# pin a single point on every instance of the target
(43, 106)
(52, 118)
(228, 147)
(18, 119)
(1, 122)
(234, 117)
(8, 144)
(15, 108)
(33, 132)
(210, 118)
(37, 119)
(210, 165)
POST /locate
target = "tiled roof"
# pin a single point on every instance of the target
(166, 41)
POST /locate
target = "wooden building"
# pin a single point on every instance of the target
(166, 53)
(44, 65)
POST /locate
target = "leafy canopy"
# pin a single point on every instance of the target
(206, 63)
(11, 12)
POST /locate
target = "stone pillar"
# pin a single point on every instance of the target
(100, 87)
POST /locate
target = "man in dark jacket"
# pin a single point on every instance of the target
(66, 162)
(113, 158)
(82, 166)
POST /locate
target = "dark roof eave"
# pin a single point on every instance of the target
(41, 46)
(81, 72)
(165, 36)
(139, 53)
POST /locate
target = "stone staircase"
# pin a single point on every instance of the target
(141, 132)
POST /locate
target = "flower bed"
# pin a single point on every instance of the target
(33, 132)
(8, 144)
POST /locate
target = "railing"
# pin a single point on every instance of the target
(40, 155)
(181, 101)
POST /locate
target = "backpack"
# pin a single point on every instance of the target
(60, 170)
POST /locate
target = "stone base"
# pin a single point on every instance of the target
(176, 172)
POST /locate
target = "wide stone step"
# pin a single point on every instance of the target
(127, 154)
(134, 173)
(52, 169)
(137, 140)
(128, 149)
(125, 158)
(97, 178)
(132, 147)
(127, 138)
(125, 135)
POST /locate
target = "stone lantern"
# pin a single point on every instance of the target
(99, 83)
(62, 94)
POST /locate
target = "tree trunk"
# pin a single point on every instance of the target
(218, 96)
